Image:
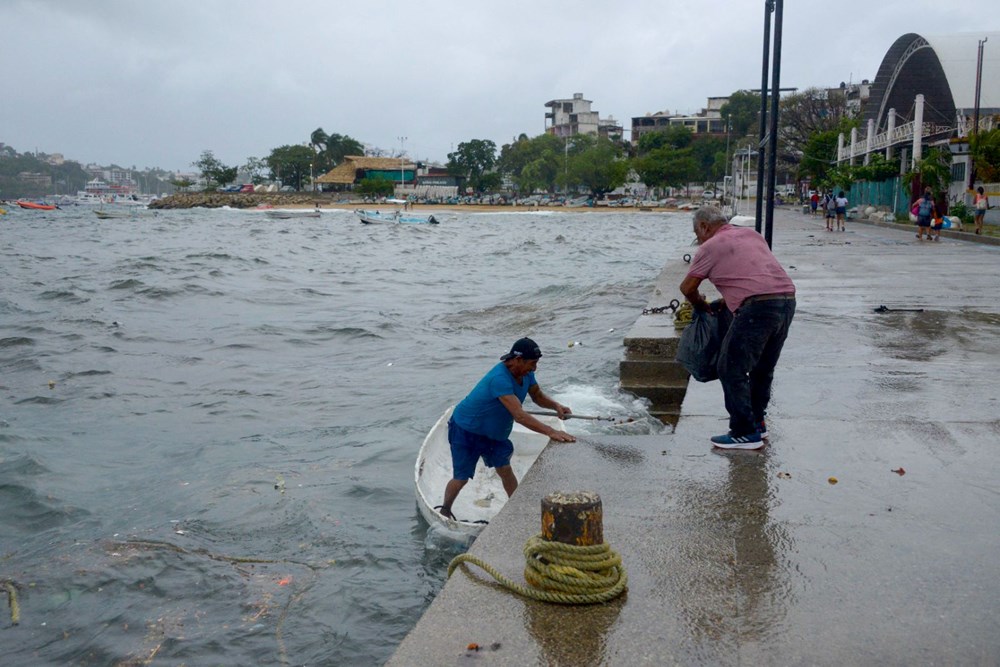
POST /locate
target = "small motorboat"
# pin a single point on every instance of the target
(38, 206)
(377, 217)
(287, 215)
(128, 213)
(484, 495)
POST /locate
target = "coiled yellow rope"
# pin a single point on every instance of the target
(683, 316)
(562, 573)
(15, 609)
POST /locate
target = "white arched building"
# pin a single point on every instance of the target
(925, 93)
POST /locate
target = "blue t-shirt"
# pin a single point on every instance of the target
(482, 412)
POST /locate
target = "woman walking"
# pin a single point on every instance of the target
(982, 203)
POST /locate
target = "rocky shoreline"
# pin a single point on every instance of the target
(240, 200)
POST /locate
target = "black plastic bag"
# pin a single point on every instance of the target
(698, 350)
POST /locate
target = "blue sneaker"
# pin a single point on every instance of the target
(729, 441)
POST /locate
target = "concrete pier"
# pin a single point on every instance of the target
(868, 532)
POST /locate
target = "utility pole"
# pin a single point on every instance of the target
(975, 117)
(769, 122)
(402, 163)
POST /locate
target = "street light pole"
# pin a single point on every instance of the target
(975, 117)
(402, 150)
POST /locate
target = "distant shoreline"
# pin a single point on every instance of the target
(299, 200)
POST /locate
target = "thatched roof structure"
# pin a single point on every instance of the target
(355, 167)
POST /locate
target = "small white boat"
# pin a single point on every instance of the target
(128, 213)
(483, 496)
(286, 215)
(377, 217)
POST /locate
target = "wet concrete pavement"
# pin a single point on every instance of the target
(746, 558)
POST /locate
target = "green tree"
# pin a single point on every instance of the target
(877, 170)
(472, 160)
(933, 171)
(596, 164)
(819, 155)
(214, 171)
(742, 113)
(375, 187)
(254, 168)
(666, 167)
(331, 149)
(985, 149)
(710, 155)
(676, 136)
(533, 164)
(803, 115)
(290, 164)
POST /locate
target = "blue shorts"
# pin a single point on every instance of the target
(841, 210)
(467, 448)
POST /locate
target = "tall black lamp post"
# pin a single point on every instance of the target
(769, 121)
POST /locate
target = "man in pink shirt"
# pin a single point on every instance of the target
(761, 297)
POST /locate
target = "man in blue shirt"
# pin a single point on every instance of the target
(481, 424)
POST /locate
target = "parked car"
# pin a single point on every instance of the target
(246, 187)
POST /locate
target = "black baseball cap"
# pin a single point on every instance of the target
(523, 348)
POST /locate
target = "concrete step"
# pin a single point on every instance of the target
(662, 396)
(652, 371)
(648, 347)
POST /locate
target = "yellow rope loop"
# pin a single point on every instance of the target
(15, 608)
(683, 316)
(562, 573)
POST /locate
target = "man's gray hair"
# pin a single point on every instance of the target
(710, 215)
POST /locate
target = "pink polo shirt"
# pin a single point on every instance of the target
(738, 262)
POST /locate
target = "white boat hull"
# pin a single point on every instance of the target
(376, 217)
(288, 215)
(484, 495)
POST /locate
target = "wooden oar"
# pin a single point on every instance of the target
(570, 416)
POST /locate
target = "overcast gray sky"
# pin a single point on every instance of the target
(153, 83)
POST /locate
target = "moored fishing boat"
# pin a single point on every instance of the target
(377, 217)
(484, 495)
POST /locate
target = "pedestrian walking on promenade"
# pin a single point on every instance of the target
(841, 203)
(813, 202)
(982, 204)
(830, 208)
(761, 297)
(926, 211)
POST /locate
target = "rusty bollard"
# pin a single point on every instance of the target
(575, 518)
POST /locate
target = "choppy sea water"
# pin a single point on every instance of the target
(209, 419)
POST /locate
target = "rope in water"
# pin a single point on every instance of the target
(15, 608)
(683, 316)
(562, 573)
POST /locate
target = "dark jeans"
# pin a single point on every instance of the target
(749, 354)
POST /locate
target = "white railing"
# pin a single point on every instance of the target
(900, 134)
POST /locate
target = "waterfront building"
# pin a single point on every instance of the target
(356, 168)
(568, 117)
(707, 121)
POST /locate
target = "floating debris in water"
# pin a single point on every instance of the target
(784, 475)
(832, 480)
(899, 471)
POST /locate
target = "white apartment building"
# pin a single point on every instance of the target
(574, 116)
